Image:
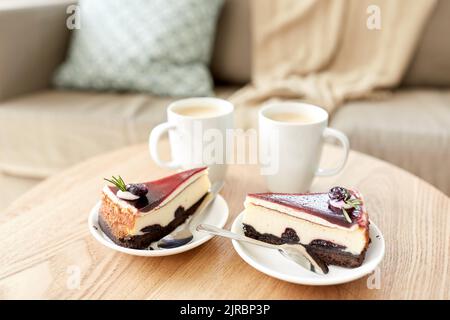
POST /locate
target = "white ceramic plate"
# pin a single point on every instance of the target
(272, 263)
(216, 214)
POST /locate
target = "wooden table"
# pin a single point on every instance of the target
(47, 251)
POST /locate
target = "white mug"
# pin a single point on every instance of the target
(196, 139)
(290, 151)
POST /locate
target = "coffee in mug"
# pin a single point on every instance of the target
(292, 117)
(198, 111)
(189, 124)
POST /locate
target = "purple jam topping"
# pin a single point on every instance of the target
(312, 203)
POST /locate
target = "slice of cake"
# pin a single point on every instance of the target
(333, 226)
(135, 215)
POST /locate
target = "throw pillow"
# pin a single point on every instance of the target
(158, 46)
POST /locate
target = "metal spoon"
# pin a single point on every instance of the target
(294, 252)
(184, 235)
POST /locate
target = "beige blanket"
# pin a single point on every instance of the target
(326, 52)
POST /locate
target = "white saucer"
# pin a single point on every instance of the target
(274, 264)
(216, 214)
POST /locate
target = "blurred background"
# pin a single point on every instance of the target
(81, 79)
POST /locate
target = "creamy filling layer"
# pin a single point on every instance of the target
(203, 173)
(165, 214)
(266, 220)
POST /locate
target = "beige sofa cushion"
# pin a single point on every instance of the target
(431, 64)
(231, 57)
(50, 130)
(33, 41)
(410, 129)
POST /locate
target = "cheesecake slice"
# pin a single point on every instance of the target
(136, 215)
(332, 226)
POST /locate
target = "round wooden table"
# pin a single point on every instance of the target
(47, 251)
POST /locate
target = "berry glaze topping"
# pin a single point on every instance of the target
(318, 204)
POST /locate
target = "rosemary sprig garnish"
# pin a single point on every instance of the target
(350, 203)
(353, 203)
(347, 217)
(118, 182)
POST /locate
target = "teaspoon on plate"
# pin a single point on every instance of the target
(294, 252)
(184, 235)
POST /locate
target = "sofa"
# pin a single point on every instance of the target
(44, 130)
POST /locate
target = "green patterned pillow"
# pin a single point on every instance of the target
(158, 46)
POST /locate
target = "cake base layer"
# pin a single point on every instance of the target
(328, 252)
(153, 232)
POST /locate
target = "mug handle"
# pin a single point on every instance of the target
(153, 141)
(342, 138)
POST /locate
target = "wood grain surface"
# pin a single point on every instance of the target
(45, 242)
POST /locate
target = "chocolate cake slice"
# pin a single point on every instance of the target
(333, 226)
(136, 215)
